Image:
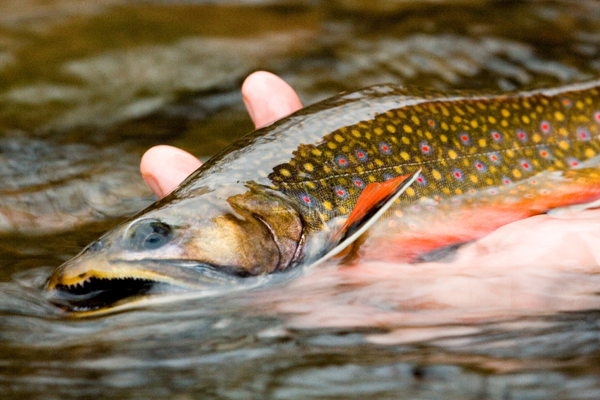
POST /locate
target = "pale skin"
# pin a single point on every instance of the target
(540, 264)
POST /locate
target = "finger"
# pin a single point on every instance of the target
(165, 167)
(268, 98)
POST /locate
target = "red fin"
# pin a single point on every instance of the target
(370, 200)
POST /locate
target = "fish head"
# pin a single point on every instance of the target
(200, 241)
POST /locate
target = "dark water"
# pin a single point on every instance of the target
(86, 87)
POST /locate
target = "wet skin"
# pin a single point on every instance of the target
(282, 253)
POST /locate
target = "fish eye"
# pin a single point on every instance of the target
(149, 234)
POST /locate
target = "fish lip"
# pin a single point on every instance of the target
(100, 289)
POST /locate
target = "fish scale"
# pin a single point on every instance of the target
(465, 146)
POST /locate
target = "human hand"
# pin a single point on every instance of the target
(267, 98)
(537, 265)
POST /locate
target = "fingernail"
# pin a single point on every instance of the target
(151, 182)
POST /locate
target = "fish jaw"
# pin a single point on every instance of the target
(89, 283)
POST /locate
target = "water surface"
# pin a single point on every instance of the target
(86, 88)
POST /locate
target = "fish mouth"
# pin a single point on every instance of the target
(106, 286)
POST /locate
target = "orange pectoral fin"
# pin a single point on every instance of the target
(373, 202)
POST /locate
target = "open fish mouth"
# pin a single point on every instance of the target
(118, 282)
(99, 293)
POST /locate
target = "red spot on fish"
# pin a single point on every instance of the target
(522, 135)
(545, 126)
(566, 102)
(340, 192)
(306, 199)
(431, 122)
(425, 149)
(597, 116)
(534, 182)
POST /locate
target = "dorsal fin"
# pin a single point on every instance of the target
(375, 200)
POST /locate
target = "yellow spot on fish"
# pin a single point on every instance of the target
(489, 181)
(372, 178)
(415, 120)
(391, 128)
(343, 210)
(331, 145)
(326, 169)
(458, 191)
(504, 123)
(452, 154)
(536, 138)
(378, 131)
(338, 138)
(311, 185)
(360, 169)
(579, 104)
(525, 119)
(482, 143)
(379, 162)
(316, 152)
(407, 129)
(505, 113)
(405, 155)
(410, 191)
(492, 120)
(428, 135)
(436, 174)
(327, 205)
(473, 178)
(445, 126)
(516, 173)
(457, 119)
(285, 172)
(309, 167)
(510, 153)
(443, 138)
(559, 116)
(405, 140)
(563, 132)
(563, 145)
(589, 153)
(474, 124)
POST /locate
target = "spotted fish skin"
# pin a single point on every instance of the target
(513, 152)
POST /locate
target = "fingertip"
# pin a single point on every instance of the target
(165, 167)
(268, 98)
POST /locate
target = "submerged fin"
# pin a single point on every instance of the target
(373, 202)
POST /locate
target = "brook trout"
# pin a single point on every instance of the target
(384, 172)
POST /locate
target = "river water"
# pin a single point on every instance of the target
(87, 87)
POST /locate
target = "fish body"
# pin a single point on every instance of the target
(278, 197)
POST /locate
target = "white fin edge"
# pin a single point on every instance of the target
(346, 242)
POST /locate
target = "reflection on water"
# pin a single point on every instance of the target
(87, 88)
